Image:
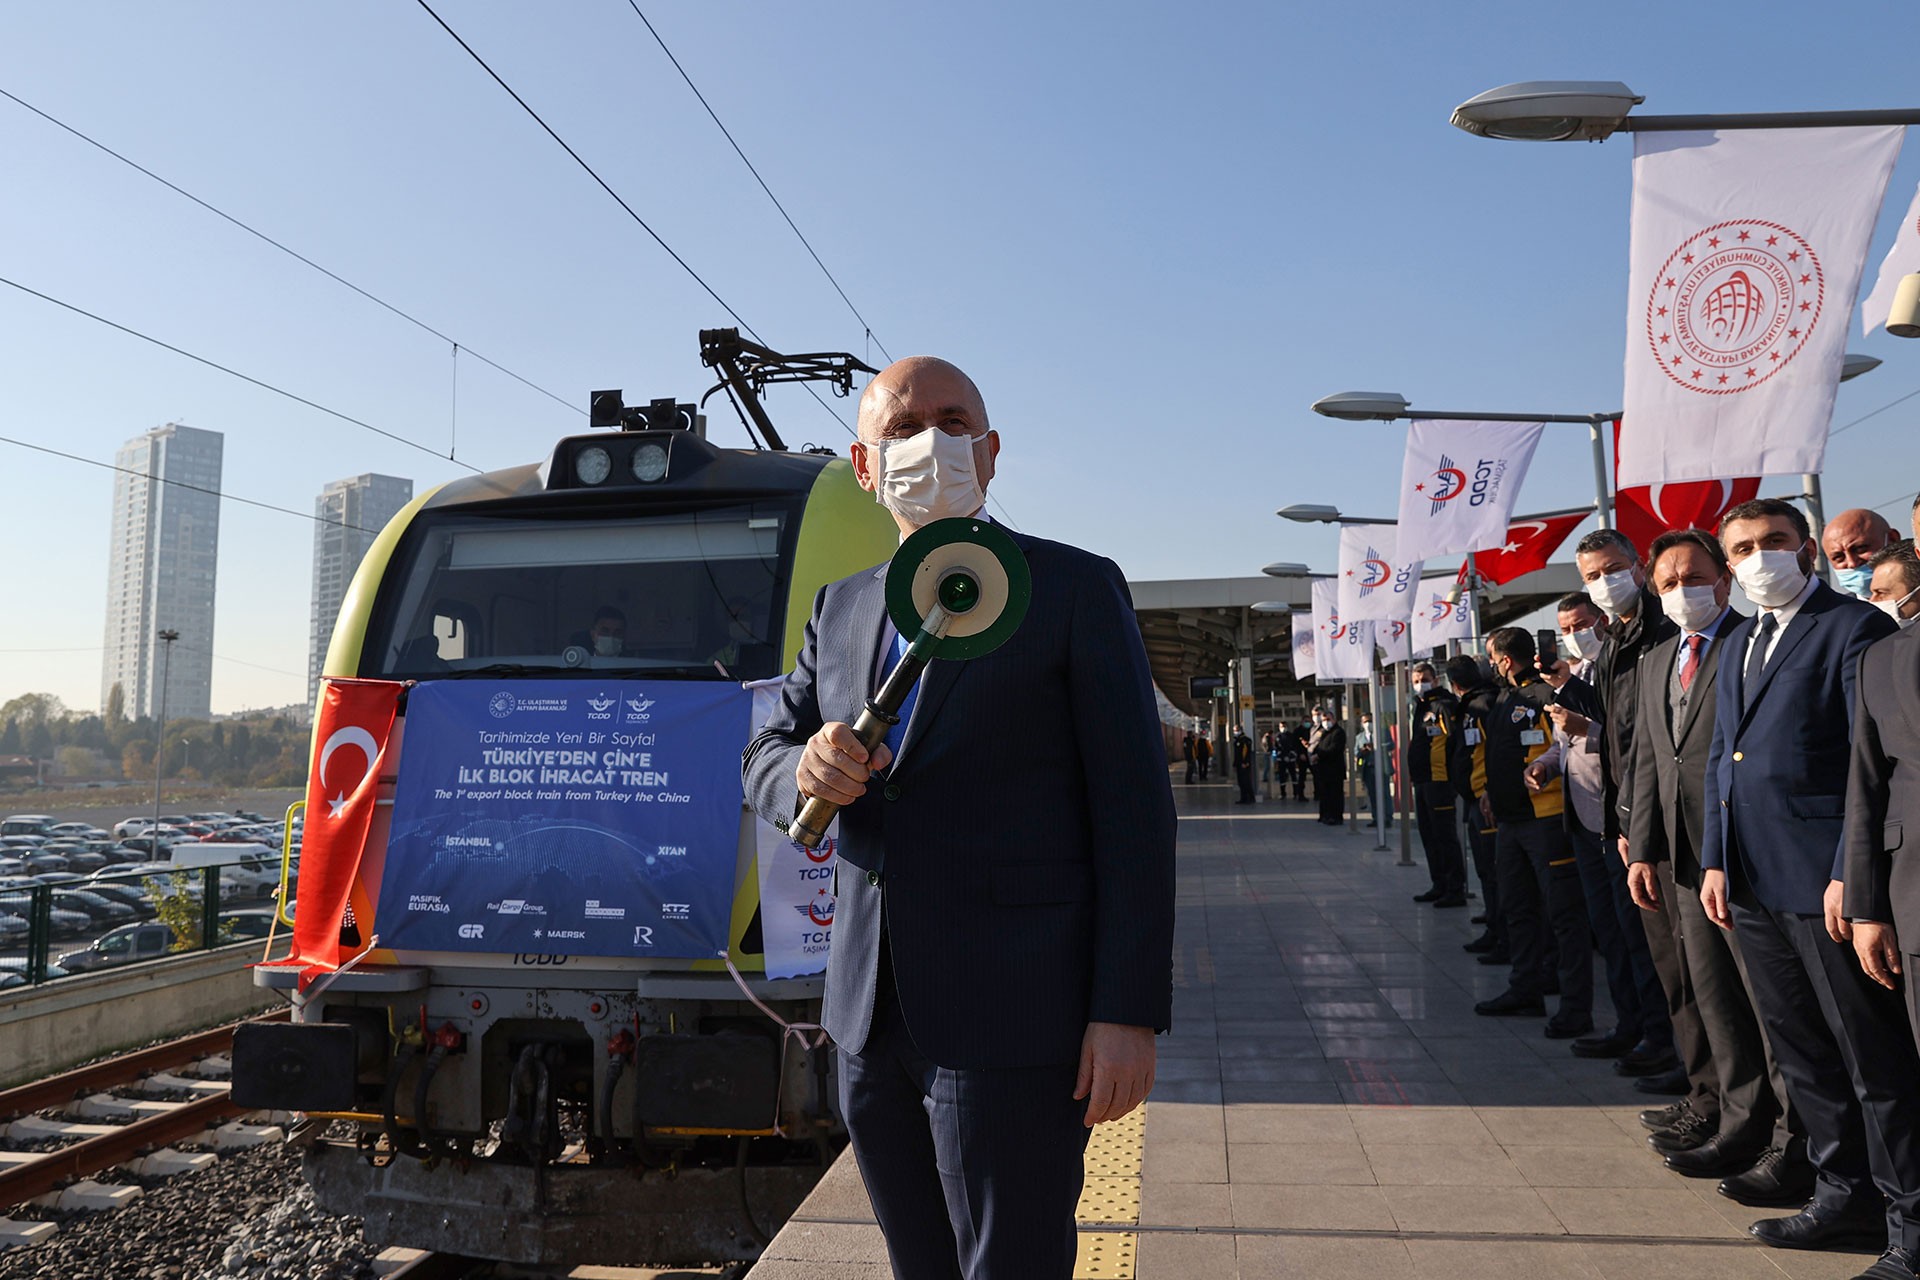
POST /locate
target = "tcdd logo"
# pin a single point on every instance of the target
(1444, 485)
(823, 852)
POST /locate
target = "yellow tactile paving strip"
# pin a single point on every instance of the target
(1111, 1196)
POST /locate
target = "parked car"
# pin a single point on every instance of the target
(12, 867)
(86, 860)
(25, 824)
(13, 973)
(65, 923)
(246, 870)
(131, 894)
(246, 924)
(22, 841)
(148, 846)
(41, 860)
(120, 946)
(69, 830)
(13, 930)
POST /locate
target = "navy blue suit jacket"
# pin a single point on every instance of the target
(1022, 843)
(1777, 770)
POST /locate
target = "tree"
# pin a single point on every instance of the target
(11, 741)
(136, 758)
(116, 709)
(39, 740)
(75, 762)
(34, 708)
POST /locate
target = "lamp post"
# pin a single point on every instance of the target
(1390, 406)
(167, 636)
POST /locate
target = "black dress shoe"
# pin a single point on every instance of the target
(1561, 1028)
(1512, 1004)
(1895, 1264)
(1485, 942)
(1479, 919)
(1498, 956)
(1674, 1083)
(1817, 1228)
(1450, 900)
(1691, 1130)
(1776, 1179)
(1610, 1045)
(1646, 1060)
(1714, 1158)
(1432, 895)
(1658, 1118)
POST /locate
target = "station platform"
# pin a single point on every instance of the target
(1328, 1105)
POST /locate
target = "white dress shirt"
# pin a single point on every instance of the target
(1783, 617)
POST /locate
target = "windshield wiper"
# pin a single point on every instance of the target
(670, 671)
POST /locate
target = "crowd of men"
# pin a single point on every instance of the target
(1713, 802)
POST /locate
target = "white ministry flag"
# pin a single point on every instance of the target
(1440, 620)
(1747, 248)
(1342, 651)
(1374, 584)
(1903, 259)
(1394, 640)
(1458, 485)
(1302, 644)
(796, 883)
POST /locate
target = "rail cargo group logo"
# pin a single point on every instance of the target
(1374, 572)
(501, 705)
(1733, 305)
(1444, 485)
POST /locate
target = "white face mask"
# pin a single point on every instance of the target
(926, 476)
(1614, 592)
(607, 646)
(1771, 578)
(1892, 609)
(1421, 688)
(1581, 645)
(1691, 608)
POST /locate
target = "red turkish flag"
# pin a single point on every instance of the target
(349, 748)
(1529, 544)
(1645, 512)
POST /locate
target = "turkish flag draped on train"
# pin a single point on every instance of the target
(1746, 253)
(1646, 511)
(343, 781)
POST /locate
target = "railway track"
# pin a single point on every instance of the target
(97, 1130)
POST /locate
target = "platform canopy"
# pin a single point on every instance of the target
(1194, 626)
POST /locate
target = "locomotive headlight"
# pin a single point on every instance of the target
(591, 465)
(649, 463)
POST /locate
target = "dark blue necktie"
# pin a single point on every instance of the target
(1757, 657)
(899, 731)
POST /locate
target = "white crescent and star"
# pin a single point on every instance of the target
(350, 736)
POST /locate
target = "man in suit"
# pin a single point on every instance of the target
(1243, 766)
(1883, 790)
(1003, 950)
(1641, 1039)
(1327, 757)
(1771, 867)
(1616, 581)
(1851, 540)
(1475, 695)
(1738, 1125)
(1186, 753)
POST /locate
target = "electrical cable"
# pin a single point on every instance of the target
(292, 253)
(211, 364)
(1882, 409)
(182, 484)
(728, 134)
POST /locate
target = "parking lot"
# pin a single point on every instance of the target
(108, 882)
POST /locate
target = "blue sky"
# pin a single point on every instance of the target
(1153, 234)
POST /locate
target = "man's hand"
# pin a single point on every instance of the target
(834, 766)
(1644, 885)
(1556, 675)
(1713, 898)
(1624, 858)
(1571, 723)
(1879, 951)
(1537, 775)
(1830, 904)
(1116, 1070)
(1486, 810)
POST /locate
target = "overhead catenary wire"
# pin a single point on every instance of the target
(231, 372)
(643, 224)
(728, 134)
(221, 494)
(1874, 413)
(290, 252)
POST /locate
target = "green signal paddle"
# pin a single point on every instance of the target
(960, 588)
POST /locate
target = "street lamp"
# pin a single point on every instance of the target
(1286, 569)
(1389, 406)
(1592, 110)
(168, 636)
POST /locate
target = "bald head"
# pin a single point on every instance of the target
(917, 392)
(1852, 538)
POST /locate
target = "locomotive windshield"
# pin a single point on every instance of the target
(694, 594)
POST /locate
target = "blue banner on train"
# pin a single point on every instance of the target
(566, 817)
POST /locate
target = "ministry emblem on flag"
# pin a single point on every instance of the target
(1733, 305)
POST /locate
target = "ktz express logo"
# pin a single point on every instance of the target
(1733, 305)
